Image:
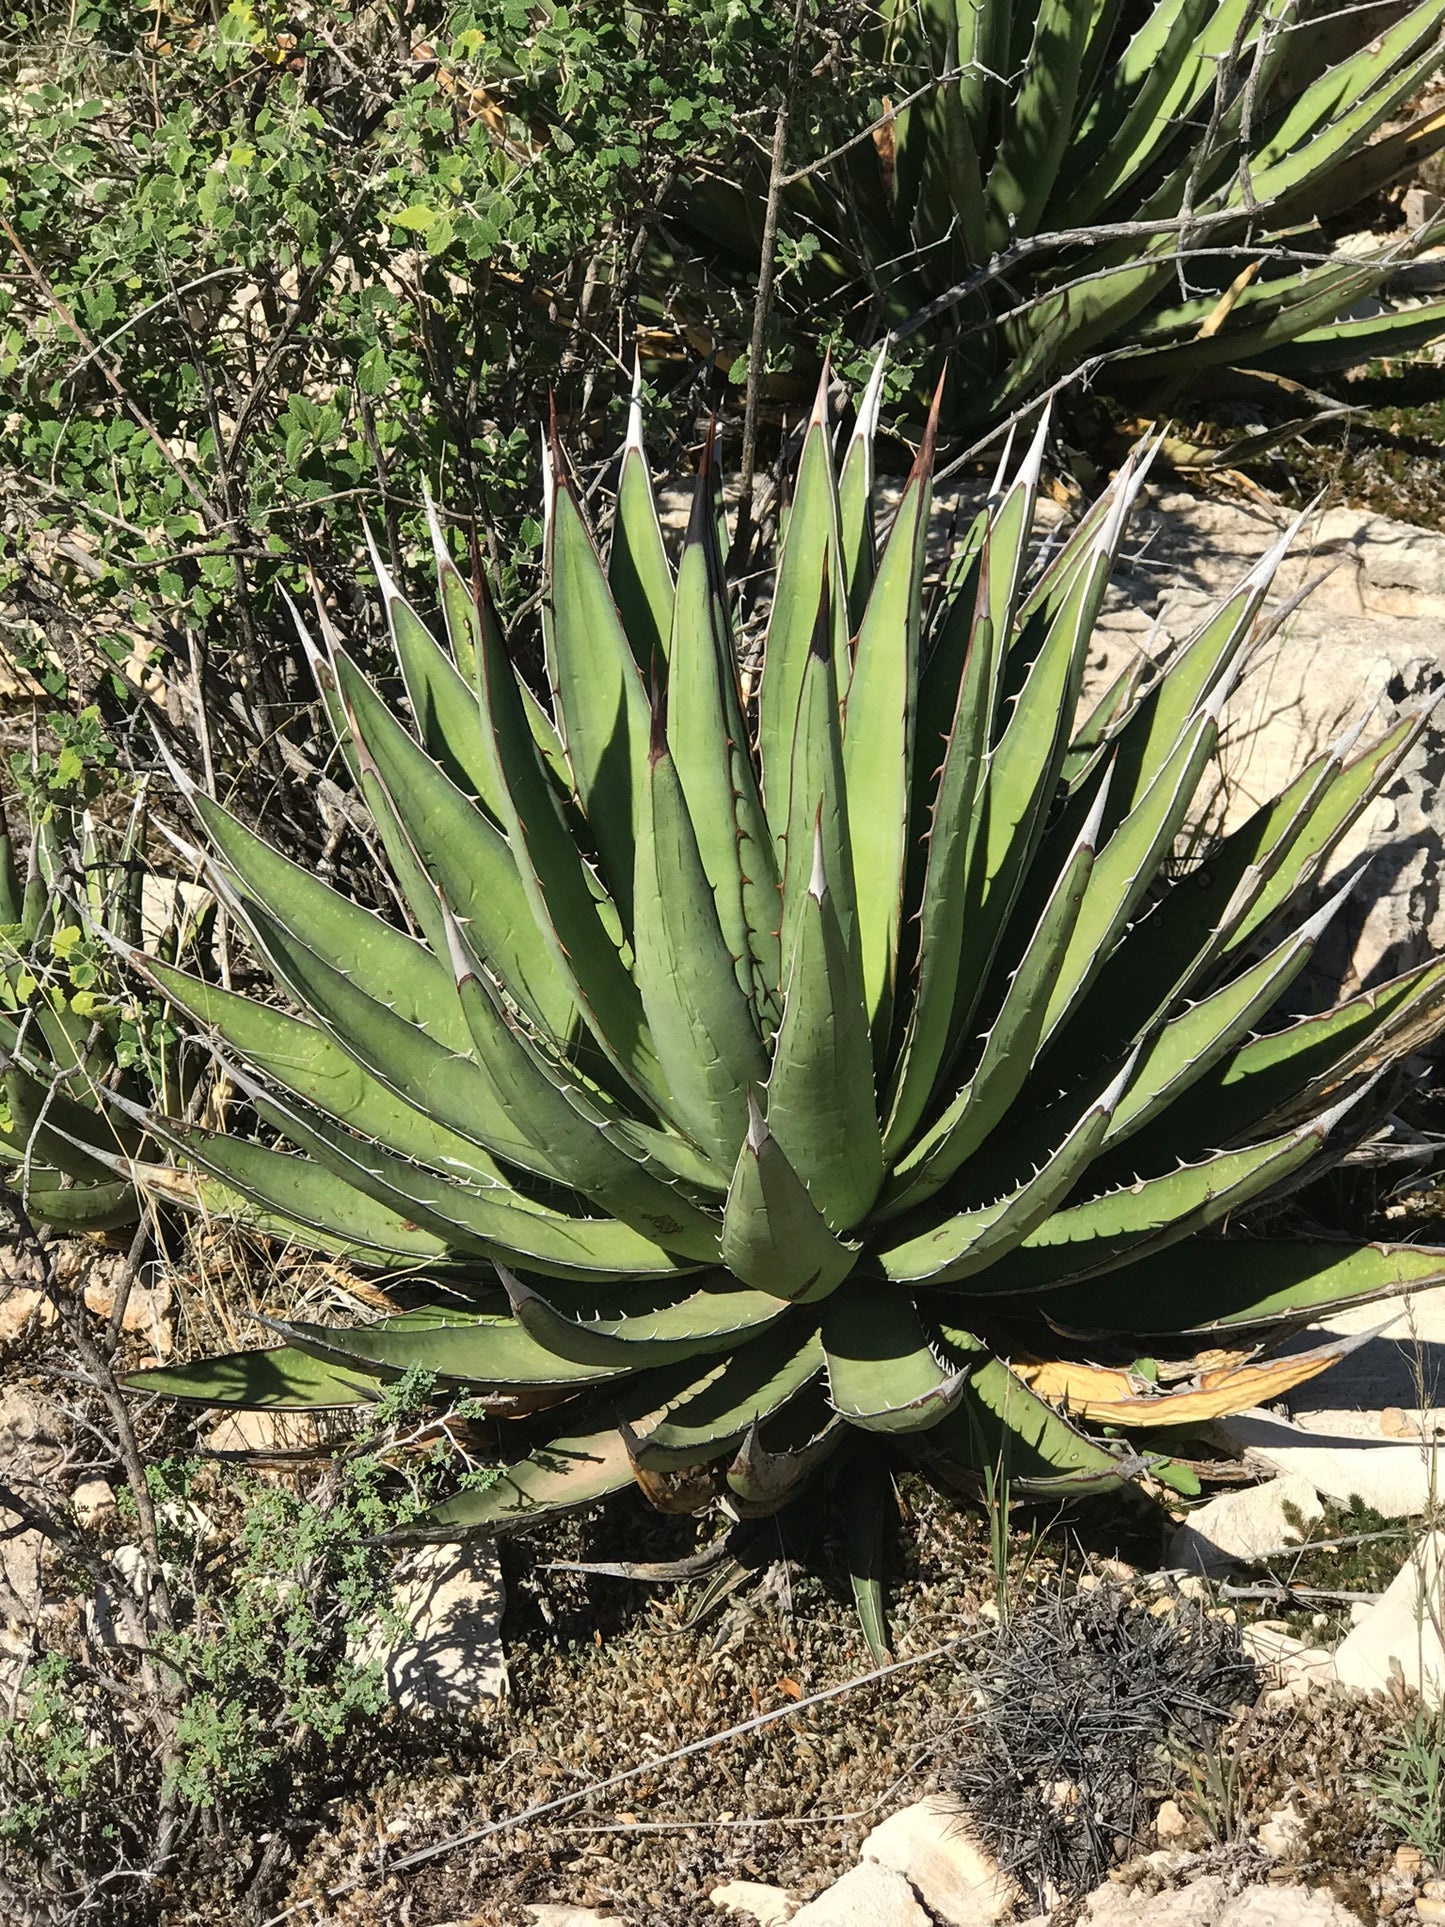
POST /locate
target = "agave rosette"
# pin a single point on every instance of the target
(850, 1056)
(1189, 149)
(60, 1024)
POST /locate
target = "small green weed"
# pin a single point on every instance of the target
(1410, 1789)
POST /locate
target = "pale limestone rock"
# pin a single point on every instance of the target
(1399, 1481)
(1293, 1668)
(1207, 1903)
(449, 1657)
(1169, 1821)
(546, 1915)
(263, 1432)
(755, 1900)
(1405, 1630)
(1197, 1905)
(148, 1311)
(1281, 1832)
(956, 1878)
(1240, 1526)
(19, 1306)
(1286, 1907)
(867, 1896)
(92, 1502)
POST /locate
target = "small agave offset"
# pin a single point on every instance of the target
(852, 1056)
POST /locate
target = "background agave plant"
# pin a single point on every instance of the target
(1193, 155)
(64, 1034)
(835, 1051)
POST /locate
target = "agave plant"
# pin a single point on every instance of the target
(64, 1035)
(836, 1052)
(1190, 149)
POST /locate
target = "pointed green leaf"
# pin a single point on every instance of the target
(884, 1374)
(773, 1235)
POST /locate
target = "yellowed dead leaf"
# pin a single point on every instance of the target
(1109, 1397)
(1220, 312)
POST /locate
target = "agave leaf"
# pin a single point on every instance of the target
(1023, 772)
(807, 569)
(856, 497)
(1271, 1077)
(1242, 1284)
(1349, 792)
(1036, 137)
(1084, 1240)
(465, 855)
(701, 1021)
(497, 1222)
(869, 1496)
(282, 1379)
(1125, 867)
(558, 1477)
(967, 1243)
(943, 883)
(1354, 341)
(73, 1208)
(818, 802)
(1335, 114)
(1002, 1431)
(446, 1081)
(580, 1137)
(638, 572)
(771, 1467)
(443, 702)
(302, 1191)
(307, 1061)
(1197, 1039)
(708, 737)
(657, 1335)
(562, 898)
(463, 1348)
(773, 1236)
(1166, 70)
(1011, 1045)
(878, 736)
(715, 1414)
(821, 1104)
(383, 963)
(601, 705)
(884, 1373)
